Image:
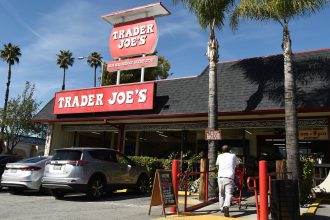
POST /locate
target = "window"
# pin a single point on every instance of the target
(122, 159)
(67, 155)
(33, 160)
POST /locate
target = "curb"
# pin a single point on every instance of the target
(313, 208)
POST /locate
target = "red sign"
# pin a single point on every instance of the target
(134, 38)
(132, 63)
(105, 99)
(213, 135)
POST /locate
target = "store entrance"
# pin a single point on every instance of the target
(272, 147)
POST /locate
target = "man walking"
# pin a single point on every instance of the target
(226, 163)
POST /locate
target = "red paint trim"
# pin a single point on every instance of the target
(114, 118)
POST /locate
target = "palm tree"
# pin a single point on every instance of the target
(64, 60)
(282, 11)
(10, 54)
(211, 14)
(94, 60)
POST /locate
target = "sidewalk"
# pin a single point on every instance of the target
(317, 211)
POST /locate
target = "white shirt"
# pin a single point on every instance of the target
(226, 163)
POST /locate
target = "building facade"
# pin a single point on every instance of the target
(251, 113)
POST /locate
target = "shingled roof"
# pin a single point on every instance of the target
(243, 86)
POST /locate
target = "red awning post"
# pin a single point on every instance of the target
(263, 188)
(175, 172)
(120, 139)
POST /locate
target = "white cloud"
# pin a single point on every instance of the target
(74, 28)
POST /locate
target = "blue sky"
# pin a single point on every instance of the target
(42, 28)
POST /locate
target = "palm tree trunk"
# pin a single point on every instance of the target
(95, 76)
(212, 54)
(291, 125)
(4, 111)
(63, 84)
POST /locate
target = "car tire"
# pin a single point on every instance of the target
(15, 191)
(95, 189)
(58, 194)
(143, 185)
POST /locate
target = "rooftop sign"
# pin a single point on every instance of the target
(135, 33)
(134, 38)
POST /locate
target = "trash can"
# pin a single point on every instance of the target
(284, 200)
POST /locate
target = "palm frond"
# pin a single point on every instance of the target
(208, 11)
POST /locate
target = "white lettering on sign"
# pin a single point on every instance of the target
(80, 101)
(127, 97)
(133, 37)
(213, 135)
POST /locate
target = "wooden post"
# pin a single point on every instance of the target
(202, 182)
(280, 169)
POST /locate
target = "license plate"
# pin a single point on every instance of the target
(57, 167)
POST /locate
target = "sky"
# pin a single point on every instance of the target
(42, 28)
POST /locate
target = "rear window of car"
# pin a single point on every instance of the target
(32, 160)
(67, 155)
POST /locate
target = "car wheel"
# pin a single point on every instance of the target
(142, 185)
(96, 188)
(58, 194)
(43, 190)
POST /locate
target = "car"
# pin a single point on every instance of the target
(93, 171)
(4, 159)
(25, 174)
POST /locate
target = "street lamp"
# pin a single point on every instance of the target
(102, 67)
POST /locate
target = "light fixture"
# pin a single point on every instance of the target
(102, 66)
(250, 133)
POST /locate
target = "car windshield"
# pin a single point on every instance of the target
(67, 155)
(32, 160)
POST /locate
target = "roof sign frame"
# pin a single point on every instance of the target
(152, 10)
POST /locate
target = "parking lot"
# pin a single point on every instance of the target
(31, 205)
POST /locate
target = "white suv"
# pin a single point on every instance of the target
(93, 171)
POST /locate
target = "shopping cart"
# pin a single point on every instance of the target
(239, 185)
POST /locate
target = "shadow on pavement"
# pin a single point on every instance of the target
(315, 217)
(107, 198)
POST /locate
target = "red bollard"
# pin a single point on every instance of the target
(175, 172)
(263, 189)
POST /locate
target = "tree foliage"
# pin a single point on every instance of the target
(10, 54)
(20, 112)
(94, 61)
(64, 60)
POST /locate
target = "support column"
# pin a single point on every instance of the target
(49, 136)
(112, 142)
(120, 138)
(137, 143)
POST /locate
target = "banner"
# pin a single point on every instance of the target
(132, 63)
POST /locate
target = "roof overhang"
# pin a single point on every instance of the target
(152, 10)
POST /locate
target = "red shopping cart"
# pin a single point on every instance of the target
(239, 184)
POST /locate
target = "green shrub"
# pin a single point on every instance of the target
(307, 169)
(151, 164)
